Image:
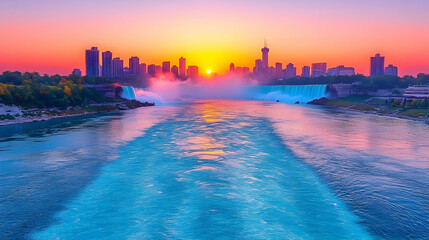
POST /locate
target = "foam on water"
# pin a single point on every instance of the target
(211, 172)
(216, 169)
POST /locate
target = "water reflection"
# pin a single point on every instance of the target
(216, 168)
(44, 164)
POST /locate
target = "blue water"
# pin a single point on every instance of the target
(128, 92)
(288, 93)
(216, 170)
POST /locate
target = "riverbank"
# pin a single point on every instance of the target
(374, 105)
(10, 115)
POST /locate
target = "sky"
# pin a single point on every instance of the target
(51, 37)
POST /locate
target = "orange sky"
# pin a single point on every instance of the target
(51, 36)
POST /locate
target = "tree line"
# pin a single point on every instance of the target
(31, 90)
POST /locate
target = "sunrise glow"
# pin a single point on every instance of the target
(214, 33)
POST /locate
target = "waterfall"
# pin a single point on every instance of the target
(282, 93)
(140, 94)
(288, 93)
(128, 93)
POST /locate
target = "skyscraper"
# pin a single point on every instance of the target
(134, 66)
(391, 70)
(290, 71)
(175, 70)
(231, 67)
(258, 66)
(92, 62)
(151, 70)
(182, 67)
(279, 70)
(118, 68)
(165, 67)
(142, 69)
(107, 68)
(265, 52)
(318, 69)
(305, 71)
(193, 72)
(377, 65)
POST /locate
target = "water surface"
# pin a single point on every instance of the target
(216, 170)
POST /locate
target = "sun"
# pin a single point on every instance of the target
(209, 71)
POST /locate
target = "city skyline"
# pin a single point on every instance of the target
(261, 70)
(312, 34)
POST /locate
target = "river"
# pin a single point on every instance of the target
(216, 169)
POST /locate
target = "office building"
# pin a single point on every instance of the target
(151, 70)
(377, 65)
(305, 71)
(246, 70)
(106, 67)
(165, 67)
(182, 67)
(341, 71)
(193, 72)
(391, 70)
(279, 70)
(118, 68)
(142, 69)
(258, 66)
(134, 66)
(175, 70)
(318, 69)
(290, 71)
(92, 62)
(76, 72)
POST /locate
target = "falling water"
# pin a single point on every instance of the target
(128, 93)
(282, 93)
(288, 93)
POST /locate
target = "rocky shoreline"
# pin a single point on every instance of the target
(15, 115)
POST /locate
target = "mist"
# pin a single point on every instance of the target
(167, 88)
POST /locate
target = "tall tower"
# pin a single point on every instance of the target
(92, 62)
(265, 52)
(166, 67)
(134, 66)
(377, 65)
(118, 67)
(182, 67)
(106, 68)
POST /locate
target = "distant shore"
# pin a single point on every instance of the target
(11, 115)
(375, 106)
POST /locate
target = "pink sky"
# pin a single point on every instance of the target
(50, 36)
